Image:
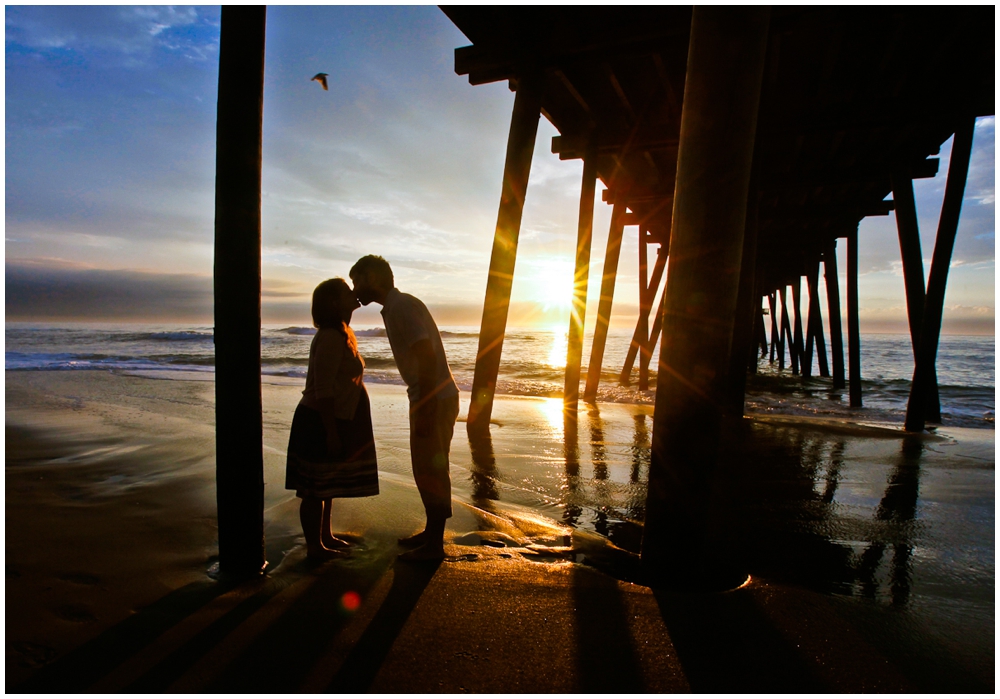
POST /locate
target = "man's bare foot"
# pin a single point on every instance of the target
(332, 542)
(427, 552)
(324, 554)
(416, 540)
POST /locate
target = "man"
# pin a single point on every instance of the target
(419, 354)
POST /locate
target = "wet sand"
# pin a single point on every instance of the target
(871, 557)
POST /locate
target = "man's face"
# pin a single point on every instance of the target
(363, 288)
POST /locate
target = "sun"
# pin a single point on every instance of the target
(554, 284)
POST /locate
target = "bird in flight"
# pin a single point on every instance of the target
(321, 77)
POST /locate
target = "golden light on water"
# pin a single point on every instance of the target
(557, 353)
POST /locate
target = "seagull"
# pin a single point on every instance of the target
(321, 77)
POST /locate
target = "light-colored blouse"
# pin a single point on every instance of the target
(335, 371)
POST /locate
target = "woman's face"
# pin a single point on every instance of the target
(346, 304)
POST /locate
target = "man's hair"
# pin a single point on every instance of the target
(375, 267)
(325, 311)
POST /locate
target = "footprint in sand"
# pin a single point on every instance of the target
(76, 613)
(33, 654)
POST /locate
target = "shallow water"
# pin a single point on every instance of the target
(533, 364)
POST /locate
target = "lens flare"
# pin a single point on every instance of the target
(350, 601)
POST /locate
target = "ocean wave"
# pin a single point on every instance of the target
(295, 330)
(179, 336)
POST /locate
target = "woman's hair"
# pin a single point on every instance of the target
(325, 308)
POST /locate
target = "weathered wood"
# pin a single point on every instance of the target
(608, 278)
(581, 277)
(853, 322)
(816, 321)
(909, 248)
(833, 302)
(647, 291)
(238, 409)
(654, 332)
(930, 328)
(648, 342)
(520, 146)
(785, 337)
(744, 331)
(908, 231)
(641, 332)
(772, 308)
(721, 97)
(799, 360)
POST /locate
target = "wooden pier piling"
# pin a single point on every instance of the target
(923, 385)
(833, 303)
(608, 278)
(721, 97)
(581, 277)
(238, 409)
(853, 323)
(520, 147)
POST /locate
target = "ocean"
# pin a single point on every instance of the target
(533, 365)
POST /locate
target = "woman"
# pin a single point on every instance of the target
(331, 449)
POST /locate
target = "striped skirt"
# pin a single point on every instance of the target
(311, 472)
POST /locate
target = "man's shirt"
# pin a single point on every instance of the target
(407, 321)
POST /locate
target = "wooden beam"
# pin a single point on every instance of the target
(772, 307)
(798, 358)
(785, 338)
(239, 460)
(520, 146)
(646, 348)
(721, 97)
(744, 328)
(605, 304)
(816, 320)
(924, 382)
(853, 324)
(581, 277)
(647, 290)
(833, 302)
(908, 230)
(909, 248)
(571, 146)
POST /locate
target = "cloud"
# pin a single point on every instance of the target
(129, 31)
(35, 292)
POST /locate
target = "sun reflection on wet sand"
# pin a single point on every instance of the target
(552, 411)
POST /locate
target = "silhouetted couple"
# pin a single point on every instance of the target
(331, 449)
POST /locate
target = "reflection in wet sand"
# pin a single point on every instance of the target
(898, 505)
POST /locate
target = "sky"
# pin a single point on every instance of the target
(110, 166)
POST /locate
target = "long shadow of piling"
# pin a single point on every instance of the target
(606, 658)
(362, 664)
(85, 665)
(727, 645)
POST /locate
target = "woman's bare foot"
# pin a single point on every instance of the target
(427, 552)
(418, 539)
(332, 542)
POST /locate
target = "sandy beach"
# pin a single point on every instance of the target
(871, 556)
